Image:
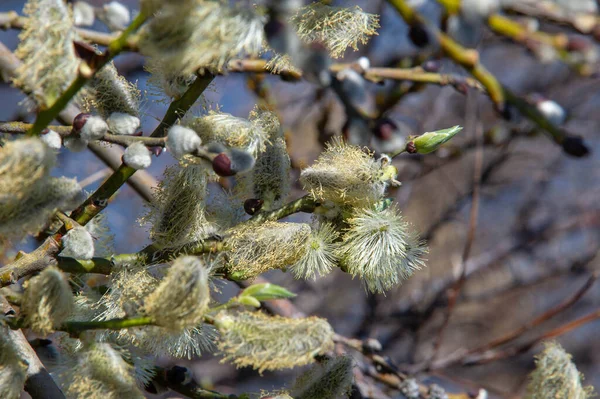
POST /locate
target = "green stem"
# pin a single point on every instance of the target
(74, 327)
(46, 116)
(179, 107)
(303, 204)
(467, 58)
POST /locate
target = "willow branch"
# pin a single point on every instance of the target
(85, 73)
(467, 58)
(76, 327)
(66, 131)
(153, 253)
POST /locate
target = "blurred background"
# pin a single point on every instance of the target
(537, 232)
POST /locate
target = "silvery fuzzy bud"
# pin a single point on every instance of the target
(431, 141)
(336, 27)
(552, 111)
(49, 62)
(137, 156)
(115, 15)
(352, 86)
(78, 243)
(47, 301)
(272, 342)
(83, 14)
(51, 139)
(182, 298)
(437, 392)
(121, 123)
(182, 141)
(410, 388)
(94, 128)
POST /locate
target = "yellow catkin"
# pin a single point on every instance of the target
(272, 342)
(255, 249)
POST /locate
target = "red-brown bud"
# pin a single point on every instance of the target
(222, 165)
(253, 205)
(79, 121)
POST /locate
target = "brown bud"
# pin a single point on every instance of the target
(411, 148)
(45, 131)
(222, 165)
(79, 121)
(253, 205)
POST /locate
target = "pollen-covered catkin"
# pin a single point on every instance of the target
(346, 175)
(555, 376)
(378, 247)
(233, 132)
(47, 301)
(272, 342)
(201, 34)
(257, 248)
(29, 197)
(49, 63)
(182, 297)
(108, 93)
(336, 27)
(269, 179)
(178, 215)
(102, 373)
(321, 253)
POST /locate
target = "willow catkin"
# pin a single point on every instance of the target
(257, 248)
(272, 342)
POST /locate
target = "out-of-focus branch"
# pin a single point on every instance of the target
(486, 352)
(467, 58)
(39, 383)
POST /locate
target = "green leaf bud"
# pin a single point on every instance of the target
(266, 291)
(431, 141)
